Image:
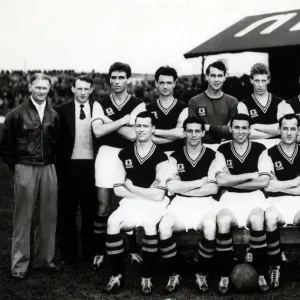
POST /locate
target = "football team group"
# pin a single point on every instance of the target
(170, 165)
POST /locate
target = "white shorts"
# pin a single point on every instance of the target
(268, 142)
(191, 210)
(288, 206)
(241, 204)
(106, 166)
(138, 211)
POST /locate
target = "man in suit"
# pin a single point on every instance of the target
(28, 147)
(75, 169)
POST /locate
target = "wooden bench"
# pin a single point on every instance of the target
(290, 237)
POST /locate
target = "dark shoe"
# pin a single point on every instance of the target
(262, 283)
(115, 282)
(223, 286)
(201, 282)
(98, 262)
(18, 275)
(135, 258)
(146, 286)
(274, 274)
(173, 283)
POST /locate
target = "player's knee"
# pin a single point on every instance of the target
(209, 226)
(166, 226)
(256, 219)
(224, 221)
(114, 223)
(271, 218)
(150, 226)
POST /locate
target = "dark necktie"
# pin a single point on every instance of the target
(82, 114)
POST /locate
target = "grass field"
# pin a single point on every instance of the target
(79, 282)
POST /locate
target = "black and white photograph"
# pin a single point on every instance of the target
(149, 149)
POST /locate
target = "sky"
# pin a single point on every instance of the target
(92, 34)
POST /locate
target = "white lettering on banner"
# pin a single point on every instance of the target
(296, 27)
(278, 21)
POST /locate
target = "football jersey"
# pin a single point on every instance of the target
(285, 167)
(115, 112)
(240, 164)
(167, 119)
(189, 169)
(262, 114)
(295, 104)
(141, 170)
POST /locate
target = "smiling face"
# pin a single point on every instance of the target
(289, 131)
(39, 90)
(82, 90)
(215, 78)
(194, 134)
(144, 129)
(240, 131)
(165, 85)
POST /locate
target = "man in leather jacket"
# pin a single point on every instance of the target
(28, 147)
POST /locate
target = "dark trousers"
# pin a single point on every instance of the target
(77, 187)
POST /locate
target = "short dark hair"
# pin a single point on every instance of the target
(218, 65)
(192, 120)
(167, 71)
(120, 67)
(241, 117)
(85, 78)
(41, 76)
(259, 69)
(147, 114)
(289, 117)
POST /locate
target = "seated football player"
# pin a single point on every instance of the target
(243, 170)
(141, 182)
(283, 191)
(193, 207)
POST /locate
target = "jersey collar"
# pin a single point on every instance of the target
(143, 159)
(290, 159)
(263, 108)
(241, 158)
(166, 110)
(119, 107)
(192, 161)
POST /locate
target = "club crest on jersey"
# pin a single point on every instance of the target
(128, 164)
(154, 113)
(180, 168)
(109, 111)
(278, 165)
(229, 163)
(253, 113)
(202, 111)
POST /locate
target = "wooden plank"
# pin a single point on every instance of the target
(290, 235)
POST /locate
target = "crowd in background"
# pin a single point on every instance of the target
(14, 87)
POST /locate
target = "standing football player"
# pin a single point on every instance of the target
(283, 191)
(193, 207)
(213, 106)
(113, 120)
(243, 169)
(169, 112)
(141, 182)
(264, 108)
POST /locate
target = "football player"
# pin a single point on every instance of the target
(243, 169)
(193, 207)
(264, 108)
(141, 182)
(283, 191)
(213, 106)
(169, 112)
(112, 122)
